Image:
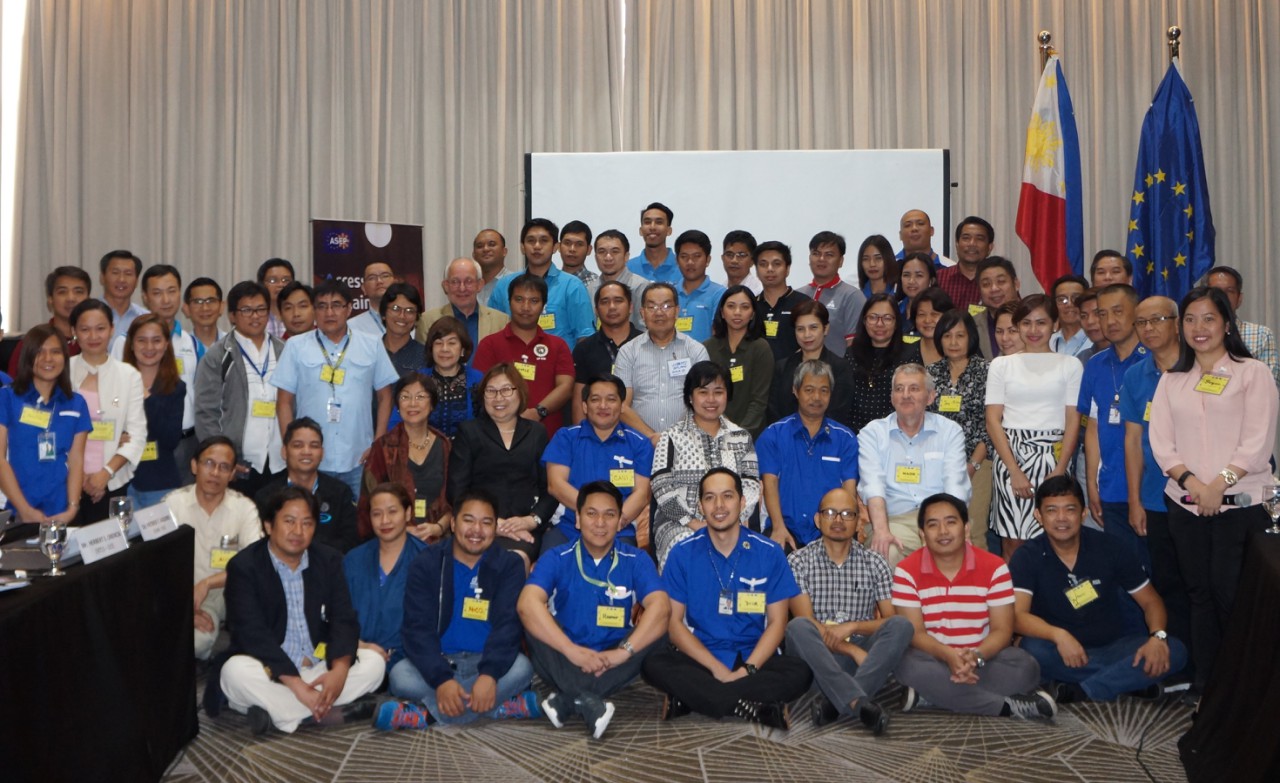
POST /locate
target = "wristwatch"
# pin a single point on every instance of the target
(542, 411)
(1230, 475)
(1161, 635)
(978, 657)
(750, 667)
(977, 466)
(626, 645)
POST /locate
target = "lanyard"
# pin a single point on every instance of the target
(266, 363)
(324, 354)
(715, 569)
(607, 584)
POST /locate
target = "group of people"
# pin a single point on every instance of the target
(892, 477)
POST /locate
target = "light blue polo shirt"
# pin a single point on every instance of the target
(697, 574)
(667, 272)
(618, 459)
(700, 306)
(906, 470)
(576, 603)
(366, 368)
(806, 468)
(1100, 392)
(567, 312)
(1139, 390)
(44, 484)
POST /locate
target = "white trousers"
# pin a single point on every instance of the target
(216, 608)
(246, 684)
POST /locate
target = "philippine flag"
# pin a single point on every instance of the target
(1050, 210)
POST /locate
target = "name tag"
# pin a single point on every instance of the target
(751, 602)
(1212, 384)
(219, 558)
(975, 309)
(420, 508)
(1146, 414)
(103, 430)
(155, 521)
(330, 375)
(678, 368)
(475, 609)
(949, 403)
(610, 616)
(35, 417)
(736, 374)
(622, 479)
(180, 366)
(1057, 451)
(547, 321)
(1113, 415)
(770, 328)
(1082, 595)
(99, 540)
(907, 474)
(321, 648)
(148, 452)
(526, 370)
(684, 323)
(263, 409)
(910, 339)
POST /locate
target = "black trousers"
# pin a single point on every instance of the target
(570, 681)
(1166, 577)
(91, 512)
(782, 678)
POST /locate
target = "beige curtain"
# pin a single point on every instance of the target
(207, 134)
(821, 74)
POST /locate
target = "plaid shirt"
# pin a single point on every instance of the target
(1262, 344)
(297, 636)
(842, 593)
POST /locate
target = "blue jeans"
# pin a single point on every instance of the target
(1110, 670)
(407, 683)
(352, 478)
(146, 498)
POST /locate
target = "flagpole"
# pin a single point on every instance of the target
(1174, 33)
(1046, 48)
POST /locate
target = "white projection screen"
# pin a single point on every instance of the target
(784, 195)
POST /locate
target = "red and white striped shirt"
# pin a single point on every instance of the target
(956, 612)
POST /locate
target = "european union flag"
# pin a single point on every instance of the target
(1170, 222)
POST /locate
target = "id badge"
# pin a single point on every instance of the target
(610, 616)
(726, 602)
(149, 452)
(330, 375)
(103, 430)
(751, 602)
(736, 374)
(1146, 413)
(219, 558)
(622, 478)
(684, 323)
(1113, 416)
(475, 609)
(770, 328)
(678, 368)
(420, 508)
(1212, 384)
(47, 446)
(547, 321)
(949, 403)
(527, 371)
(335, 411)
(907, 474)
(1081, 595)
(264, 409)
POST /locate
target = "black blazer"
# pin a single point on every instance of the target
(516, 477)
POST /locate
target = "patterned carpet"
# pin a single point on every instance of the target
(1086, 742)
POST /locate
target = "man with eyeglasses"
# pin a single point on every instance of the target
(653, 365)
(1259, 339)
(566, 311)
(843, 622)
(1070, 337)
(118, 273)
(224, 521)
(904, 458)
(461, 285)
(1100, 389)
(844, 302)
(202, 305)
(333, 375)
(803, 456)
(303, 450)
(579, 610)
(275, 274)
(234, 395)
(739, 259)
(575, 246)
(377, 276)
(612, 248)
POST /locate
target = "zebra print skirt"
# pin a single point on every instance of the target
(1012, 517)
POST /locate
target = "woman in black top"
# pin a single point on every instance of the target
(811, 322)
(148, 348)
(502, 452)
(877, 349)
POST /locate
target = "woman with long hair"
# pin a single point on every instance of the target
(737, 344)
(148, 347)
(915, 273)
(876, 350)
(877, 266)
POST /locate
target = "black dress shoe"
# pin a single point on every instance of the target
(823, 711)
(874, 717)
(673, 708)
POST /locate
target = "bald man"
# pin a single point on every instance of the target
(915, 230)
(461, 284)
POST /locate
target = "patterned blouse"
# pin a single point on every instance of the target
(972, 390)
(457, 398)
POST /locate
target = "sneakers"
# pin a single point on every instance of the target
(595, 713)
(520, 707)
(914, 701)
(773, 714)
(1066, 692)
(1027, 706)
(259, 720)
(673, 708)
(555, 709)
(392, 715)
(823, 711)
(873, 716)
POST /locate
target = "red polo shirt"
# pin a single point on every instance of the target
(539, 362)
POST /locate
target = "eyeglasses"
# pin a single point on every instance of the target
(206, 300)
(1159, 319)
(324, 306)
(845, 514)
(659, 308)
(610, 252)
(214, 466)
(739, 256)
(253, 312)
(406, 309)
(419, 397)
(1067, 299)
(887, 318)
(379, 277)
(278, 280)
(461, 282)
(504, 392)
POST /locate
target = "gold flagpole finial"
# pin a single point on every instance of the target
(1174, 34)
(1046, 48)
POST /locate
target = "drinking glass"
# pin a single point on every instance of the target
(53, 540)
(1271, 502)
(122, 513)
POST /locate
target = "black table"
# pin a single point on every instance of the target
(1236, 736)
(97, 673)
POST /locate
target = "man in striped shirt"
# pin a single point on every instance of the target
(960, 600)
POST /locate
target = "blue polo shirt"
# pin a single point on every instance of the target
(1099, 620)
(806, 468)
(44, 484)
(699, 307)
(576, 603)
(366, 368)
(1099, 396)
(378, 597)
(463, 633)
(697, 574)
(617, 459)
(567, 313)
(1139, 390)
(667, 272)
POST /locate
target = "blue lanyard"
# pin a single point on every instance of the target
(266, 363)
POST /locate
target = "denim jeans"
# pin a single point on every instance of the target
(352, 478)
(1110, 670)
(407, 683)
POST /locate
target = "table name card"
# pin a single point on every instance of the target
(155, 521)
(99, 540)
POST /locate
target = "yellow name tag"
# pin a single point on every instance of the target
(909, 339)
(148, 452)
(36, 417)
(907, 474)
(330, 375)
(103, 430)
(684, 324)
(770, 328)
(735, 374)
(622, 478)
(526, 370)
(547, 321)
(610, 616)
(321, 648)
(975, 309)
(949, 403)
(1212, 384)
(751, 603)
(180, 366)
(263, 409)
(1057, 451)
(1146, 414)
(1082, 594)
(475, 609)
(420, 508)
(219, 558)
